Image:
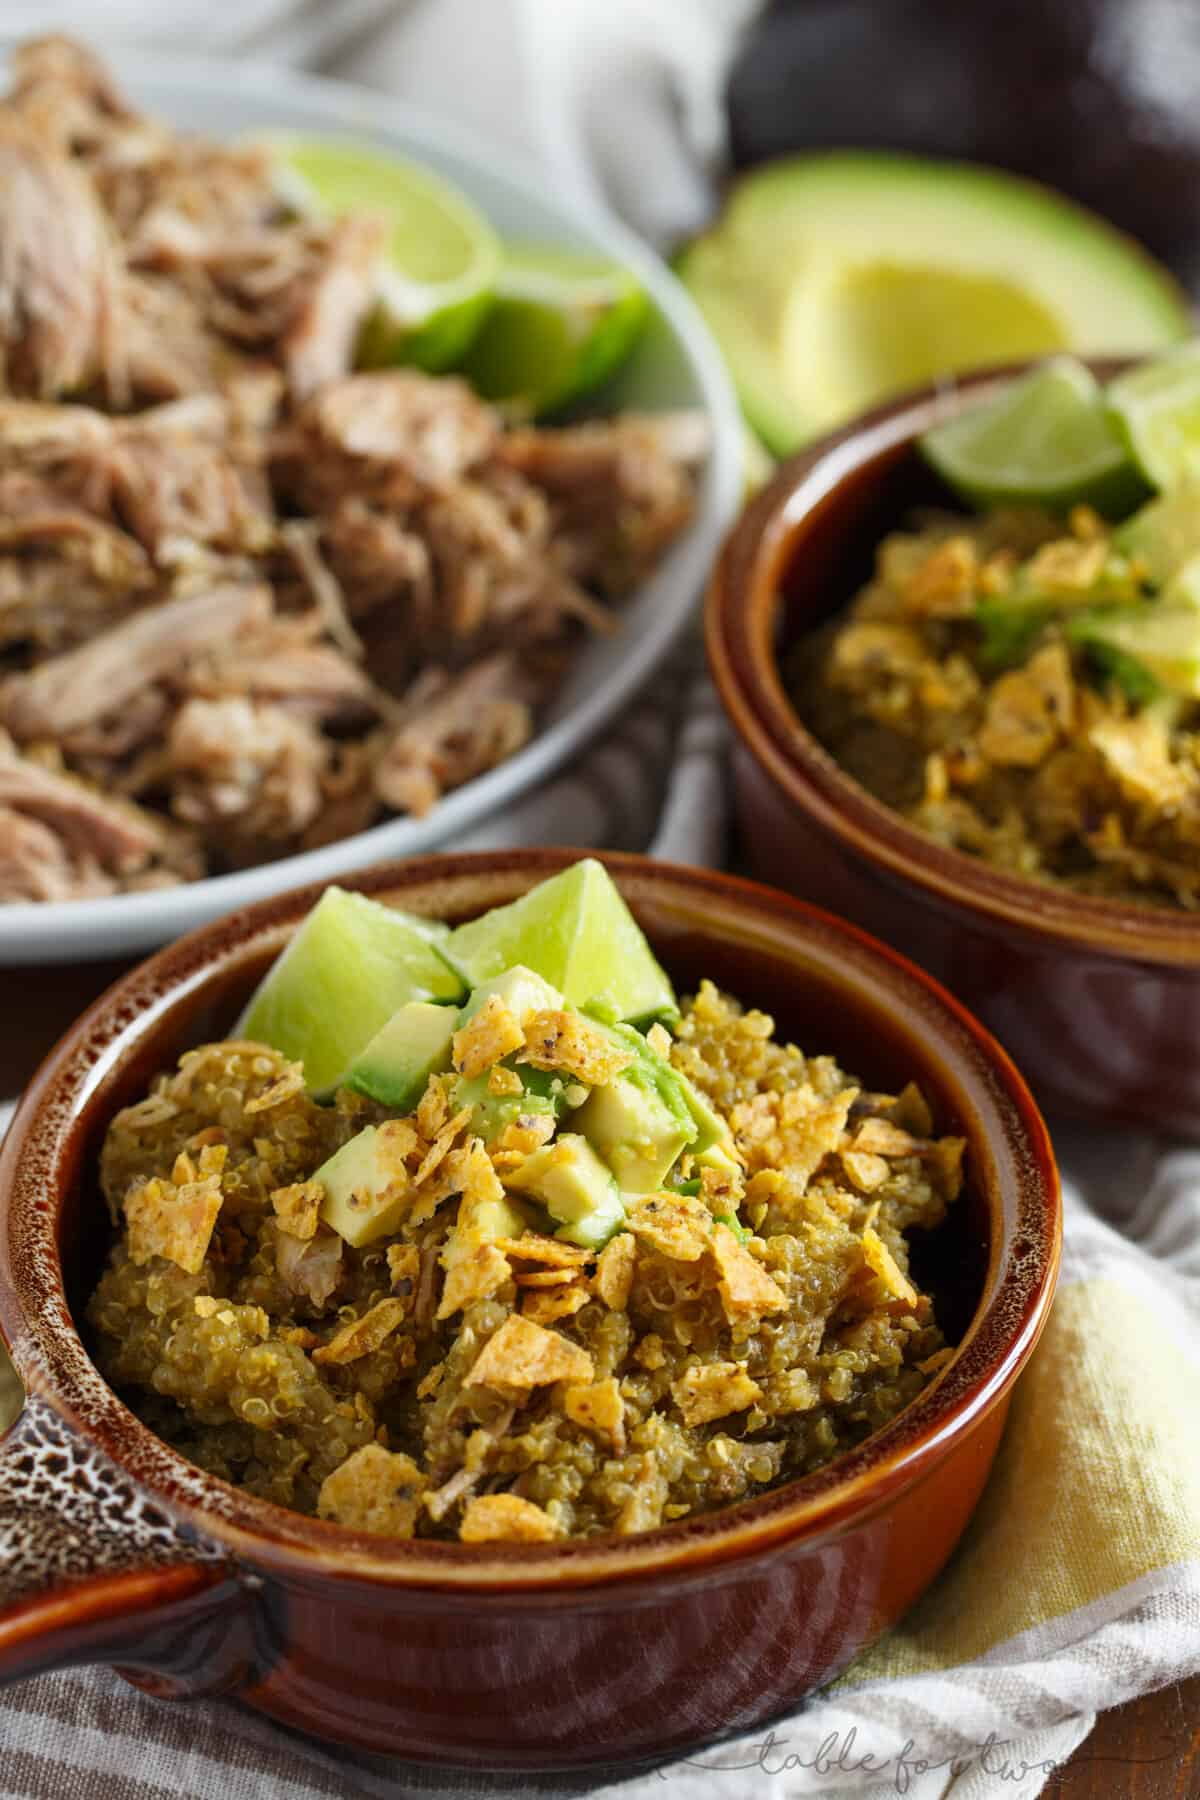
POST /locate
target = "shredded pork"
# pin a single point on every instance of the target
(252, 599)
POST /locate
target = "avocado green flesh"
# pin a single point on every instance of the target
(396, 1065)
(350, 966)
(575, 931)
(541, 1095)
(637, 1134)
(575, 1187)
(362, 1202)
(834, 281)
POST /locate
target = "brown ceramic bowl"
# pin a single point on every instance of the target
(114, 1549)
(1098, 1001)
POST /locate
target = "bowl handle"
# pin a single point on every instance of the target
(92, 1571)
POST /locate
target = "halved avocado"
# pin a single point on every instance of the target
(834, 280)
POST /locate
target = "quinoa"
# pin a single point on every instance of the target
(741, 1329)
(991, 727)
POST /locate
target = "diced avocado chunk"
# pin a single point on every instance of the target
(396, 1065)
(521, 990)
(541, 1094)
(364, 1200)
(575, 1187)
(575, 931)
(636, 1133)
(349, 967)
(1162, 640)
(713, 1147)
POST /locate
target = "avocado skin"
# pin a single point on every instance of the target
(1094, 97)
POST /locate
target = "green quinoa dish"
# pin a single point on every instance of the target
(481, 1234)
(1023, 682)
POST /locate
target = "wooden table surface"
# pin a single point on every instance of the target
(1148, 1750)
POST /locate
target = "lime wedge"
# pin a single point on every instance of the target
(576, 932)
(1157, 408)
(1047, 440)
(443, 255)
(561, 322)
(350, 966)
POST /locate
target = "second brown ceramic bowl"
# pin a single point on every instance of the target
(1096, 1000)
(115, 1549)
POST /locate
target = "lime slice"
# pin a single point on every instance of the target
(1047, 440)
(1157, 408)
(351, 965)
(575, 931)
(443, 255)
(560, 324)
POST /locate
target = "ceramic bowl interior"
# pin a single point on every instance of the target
(798, 556)
(990, 1268)
(675, 365)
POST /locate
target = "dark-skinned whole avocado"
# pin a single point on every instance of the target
(1098, 98)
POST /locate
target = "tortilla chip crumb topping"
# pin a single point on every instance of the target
(492, 1034)
(298, 1207)
(598, 1407)
(374, 1490)
(524, 1355)
(712, 1390)
(572, 1043)
(506, 1518)
(361, 1336)
(614, 1271)
(174, 1218)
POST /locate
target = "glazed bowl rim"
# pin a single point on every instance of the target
(53, 1362)
(739, 620)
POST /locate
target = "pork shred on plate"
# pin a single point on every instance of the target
(251, 600)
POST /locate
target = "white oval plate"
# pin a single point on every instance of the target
(675, 365)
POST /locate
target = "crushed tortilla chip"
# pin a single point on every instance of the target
(546, 1305)
(614, 1271)
(404, 1264)
(568, 1041)
(746, 1290)
(522, 1136)
(879, 1138)
(676, 1225)
(598, 1407)
(290, 1082)
(361, 1336)
(441, 1145)
(491, 1035)
(503, 1082)
(474, 1277)
(793, 1131)
(433, 1108)
(711, 1390)
(659, 1040)
(506, 1518)
(298, 1207)
(866, 1170)
(523, 1355)
(884, 1265)
(531, 1246)
(544, 1278)
(173, 1220)
(374, 1490)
